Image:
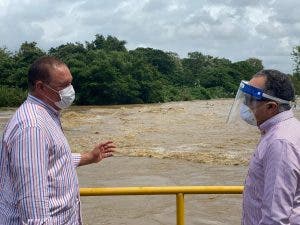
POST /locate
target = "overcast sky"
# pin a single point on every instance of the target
(234, 29)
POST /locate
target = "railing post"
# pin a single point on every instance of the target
(180, 208)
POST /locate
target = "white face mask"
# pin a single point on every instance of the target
(247, 115)
(67, 96)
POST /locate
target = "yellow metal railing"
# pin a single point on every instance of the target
(180, 191)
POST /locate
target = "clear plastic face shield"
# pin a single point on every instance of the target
(247, 99)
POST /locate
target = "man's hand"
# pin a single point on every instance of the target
(100, 151)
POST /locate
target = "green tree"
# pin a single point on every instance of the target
(6, 65)
(162, 61)
(10, 97)
(247, 68)
(296, 70)
(69, 51)
(196, 64)
(108, 44)
(107, 79)
(26, 55)
(104, 72)
(256, 64)
(28, 52)
(221, 77)
(296, 59)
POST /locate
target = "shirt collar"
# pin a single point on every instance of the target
(267, 125)
(39, 102)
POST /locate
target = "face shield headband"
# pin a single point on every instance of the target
(258, 93)
(248, 95)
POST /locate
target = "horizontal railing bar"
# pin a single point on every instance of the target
(161, 190)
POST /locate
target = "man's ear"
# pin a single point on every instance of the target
(273, 106)
(39, 86)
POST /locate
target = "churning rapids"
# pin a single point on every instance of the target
(192, 130)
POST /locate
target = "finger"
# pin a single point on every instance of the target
(107, 143)
(109, 150)
(110, 146)
(107, 146)
(106, 155)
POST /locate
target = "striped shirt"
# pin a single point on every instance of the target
(38, 180)
(272, 186)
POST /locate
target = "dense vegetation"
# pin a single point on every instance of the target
(105, 72)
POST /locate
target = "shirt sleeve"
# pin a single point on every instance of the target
(76, 159)
(29, 166)
(280, 183)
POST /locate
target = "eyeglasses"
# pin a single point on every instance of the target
(250, 100)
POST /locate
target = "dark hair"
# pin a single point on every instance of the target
(40, 70)
(279, 85)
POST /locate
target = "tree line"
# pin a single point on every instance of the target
(105, 72)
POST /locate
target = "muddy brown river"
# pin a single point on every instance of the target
(177, 143)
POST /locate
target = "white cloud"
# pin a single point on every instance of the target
(235, 29)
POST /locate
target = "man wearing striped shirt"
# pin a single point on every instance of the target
(38, 181)
(272, 186)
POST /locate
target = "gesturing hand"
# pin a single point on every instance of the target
(101, 151)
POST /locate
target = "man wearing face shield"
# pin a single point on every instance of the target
(272, 185)
(38, 181)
